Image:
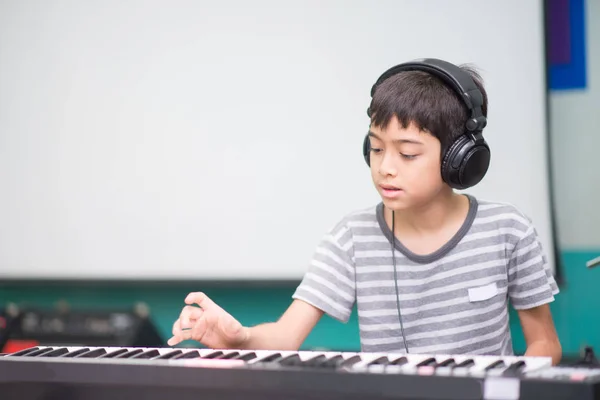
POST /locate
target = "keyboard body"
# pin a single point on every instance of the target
(115, 373)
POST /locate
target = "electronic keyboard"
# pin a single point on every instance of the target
(114, 373)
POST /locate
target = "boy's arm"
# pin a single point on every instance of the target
(531, 288)
(289, 332)
(540, 334)
(214, 327)
(327, 287)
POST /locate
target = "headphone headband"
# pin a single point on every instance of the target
(453, 76)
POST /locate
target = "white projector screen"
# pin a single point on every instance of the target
(171, 140)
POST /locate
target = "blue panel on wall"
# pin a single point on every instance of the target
(566, 72)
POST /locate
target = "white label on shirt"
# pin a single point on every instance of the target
(483, 292)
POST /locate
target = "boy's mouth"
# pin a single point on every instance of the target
(390, 191)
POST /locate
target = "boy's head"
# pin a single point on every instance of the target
(416, 119)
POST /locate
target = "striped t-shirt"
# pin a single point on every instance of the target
(453, 301)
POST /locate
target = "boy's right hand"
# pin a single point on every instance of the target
(209, 324)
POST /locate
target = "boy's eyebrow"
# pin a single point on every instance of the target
(372, 134)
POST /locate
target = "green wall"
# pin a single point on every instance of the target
(576, 310)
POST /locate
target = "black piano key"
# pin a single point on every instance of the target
(214, 354)
(380, 361)
(333, 362)
(246, 357)
(40, 352)
(229, 356)
(114, 353)
(56, 353)
(494, 365)
(92, 353)
(24, 351)
(168, 355)
(399, 361)
(465, 364)
(351, 361)
(446, 363)
(188, 355)
(290, 360)
(147, 354)
(515, 368)
(130, 353)
(75, 353)
(270, 357)
(316, 361)
(426, 362)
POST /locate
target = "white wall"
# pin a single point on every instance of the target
(202, 139)
(575, 131)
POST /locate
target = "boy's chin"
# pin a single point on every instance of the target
(395, 204)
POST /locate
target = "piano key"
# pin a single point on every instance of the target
(114, 353)
(290, 360)
(515, 368)
(56, 353)
(231, 355)
(130, 353)
(39, 352)
(215, 354)
(169, 355)
(465, 364)
(316, 361)
(445, 367)
(333, 362)
(379, 361)
(446, 363)
(245, 357)
(147, 354)
(494, 365)
(92, 353)
(75, 353)
(187, 355)
(351, 361)
(269, 358)
(427, 362)
(399, 361)
(24, 352)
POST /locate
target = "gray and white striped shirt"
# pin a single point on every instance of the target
(453, 301)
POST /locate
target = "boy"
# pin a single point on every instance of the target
(456, 260)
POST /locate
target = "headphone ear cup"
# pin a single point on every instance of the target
(367, 150)
(466, 162)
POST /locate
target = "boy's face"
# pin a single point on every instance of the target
(405, 165)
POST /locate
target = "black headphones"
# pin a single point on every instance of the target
(467, 159)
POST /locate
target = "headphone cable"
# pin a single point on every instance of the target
(393, 243)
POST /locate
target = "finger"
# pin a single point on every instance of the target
(185, 335)
(176, 327)
(173, 341)
(178, 330)
(200, 328)
(178, 333)
(189, 315)
(201, 299)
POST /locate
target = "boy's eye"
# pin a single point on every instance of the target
(375, 150)
(408, 156)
